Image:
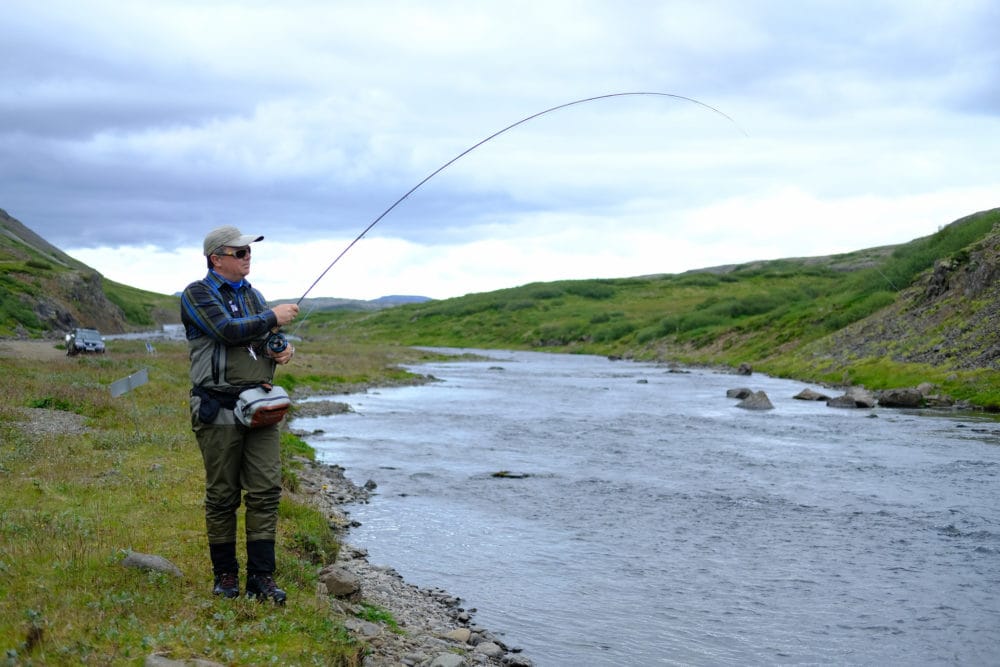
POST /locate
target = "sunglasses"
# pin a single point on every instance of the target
(238, 254)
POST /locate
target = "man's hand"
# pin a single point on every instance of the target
(285, 313)
(284, 356)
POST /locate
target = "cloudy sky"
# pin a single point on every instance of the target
(130, 129)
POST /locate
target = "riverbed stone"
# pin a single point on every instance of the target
(461, 635)
(811, 395)
(366, 629)
(906, 397)
(854, 397)
(758, 400)
(488, 649)
(517, 660)
(339, 582)
(447, 660)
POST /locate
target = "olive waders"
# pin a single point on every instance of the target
(242, 465)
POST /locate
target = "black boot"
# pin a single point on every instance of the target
(227, 585)
(226, 569)
(260, 572)
(262, 587)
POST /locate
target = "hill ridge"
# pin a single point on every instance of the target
(929, 307)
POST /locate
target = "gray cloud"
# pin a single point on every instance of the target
(312, 118)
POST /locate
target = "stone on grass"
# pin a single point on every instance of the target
(151, 562)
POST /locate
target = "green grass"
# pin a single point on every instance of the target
(767, 314)
(72, 506)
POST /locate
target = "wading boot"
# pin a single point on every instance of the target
(260, 572)
(227, 585)
(226, 569)
(262, 587)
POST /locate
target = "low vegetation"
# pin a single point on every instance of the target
(784, 317)
(74, 503)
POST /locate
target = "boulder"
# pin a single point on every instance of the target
(844, 401)
(447, 660)
(740, 393)
(908, 397)
(339, 582)
(861, 396)
(460, 635)
(855, 397)
(151, 562)
(758, 400)
(489, 649)
(939, 401)
(810, 395)
(744, 369)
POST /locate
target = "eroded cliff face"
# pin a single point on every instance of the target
(67, 300)
(86, 304)
(950, 316)
(40, 282)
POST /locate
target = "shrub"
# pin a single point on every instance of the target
(545, 292)
(522, 304)
(612, 332)
(590, 290)
(38, 264)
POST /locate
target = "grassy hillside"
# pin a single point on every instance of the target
(44, 292)
(789, 317)
(926, 310)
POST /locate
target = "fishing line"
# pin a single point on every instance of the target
(477, 145)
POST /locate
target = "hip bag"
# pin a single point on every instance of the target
(262, 405)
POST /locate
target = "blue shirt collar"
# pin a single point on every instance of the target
(235, 285)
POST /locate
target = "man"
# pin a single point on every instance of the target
(227, 324)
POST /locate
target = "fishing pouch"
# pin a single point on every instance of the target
(210, 402)
(261, 405)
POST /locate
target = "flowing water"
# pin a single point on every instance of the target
(645, 520)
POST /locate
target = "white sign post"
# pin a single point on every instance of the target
(127, 384)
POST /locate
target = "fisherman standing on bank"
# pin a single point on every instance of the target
(228, 325)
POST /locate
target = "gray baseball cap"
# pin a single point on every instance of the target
(229, 236)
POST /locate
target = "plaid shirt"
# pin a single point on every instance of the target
(211, 307)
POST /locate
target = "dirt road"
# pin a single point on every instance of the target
(43, 350)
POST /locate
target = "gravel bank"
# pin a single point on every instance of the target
(436, 630)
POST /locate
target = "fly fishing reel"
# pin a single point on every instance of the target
(276, 342)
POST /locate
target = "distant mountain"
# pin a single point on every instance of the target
(325, 303)
(399, 299)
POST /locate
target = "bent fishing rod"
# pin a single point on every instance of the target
(279, 342)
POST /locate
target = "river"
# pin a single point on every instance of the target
(643, 519)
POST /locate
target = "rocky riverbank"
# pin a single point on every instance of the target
(434, 628)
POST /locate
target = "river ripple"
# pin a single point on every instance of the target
(658, 524)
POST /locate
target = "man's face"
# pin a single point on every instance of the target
(233, 263)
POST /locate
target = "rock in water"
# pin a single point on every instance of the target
(758, 400)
